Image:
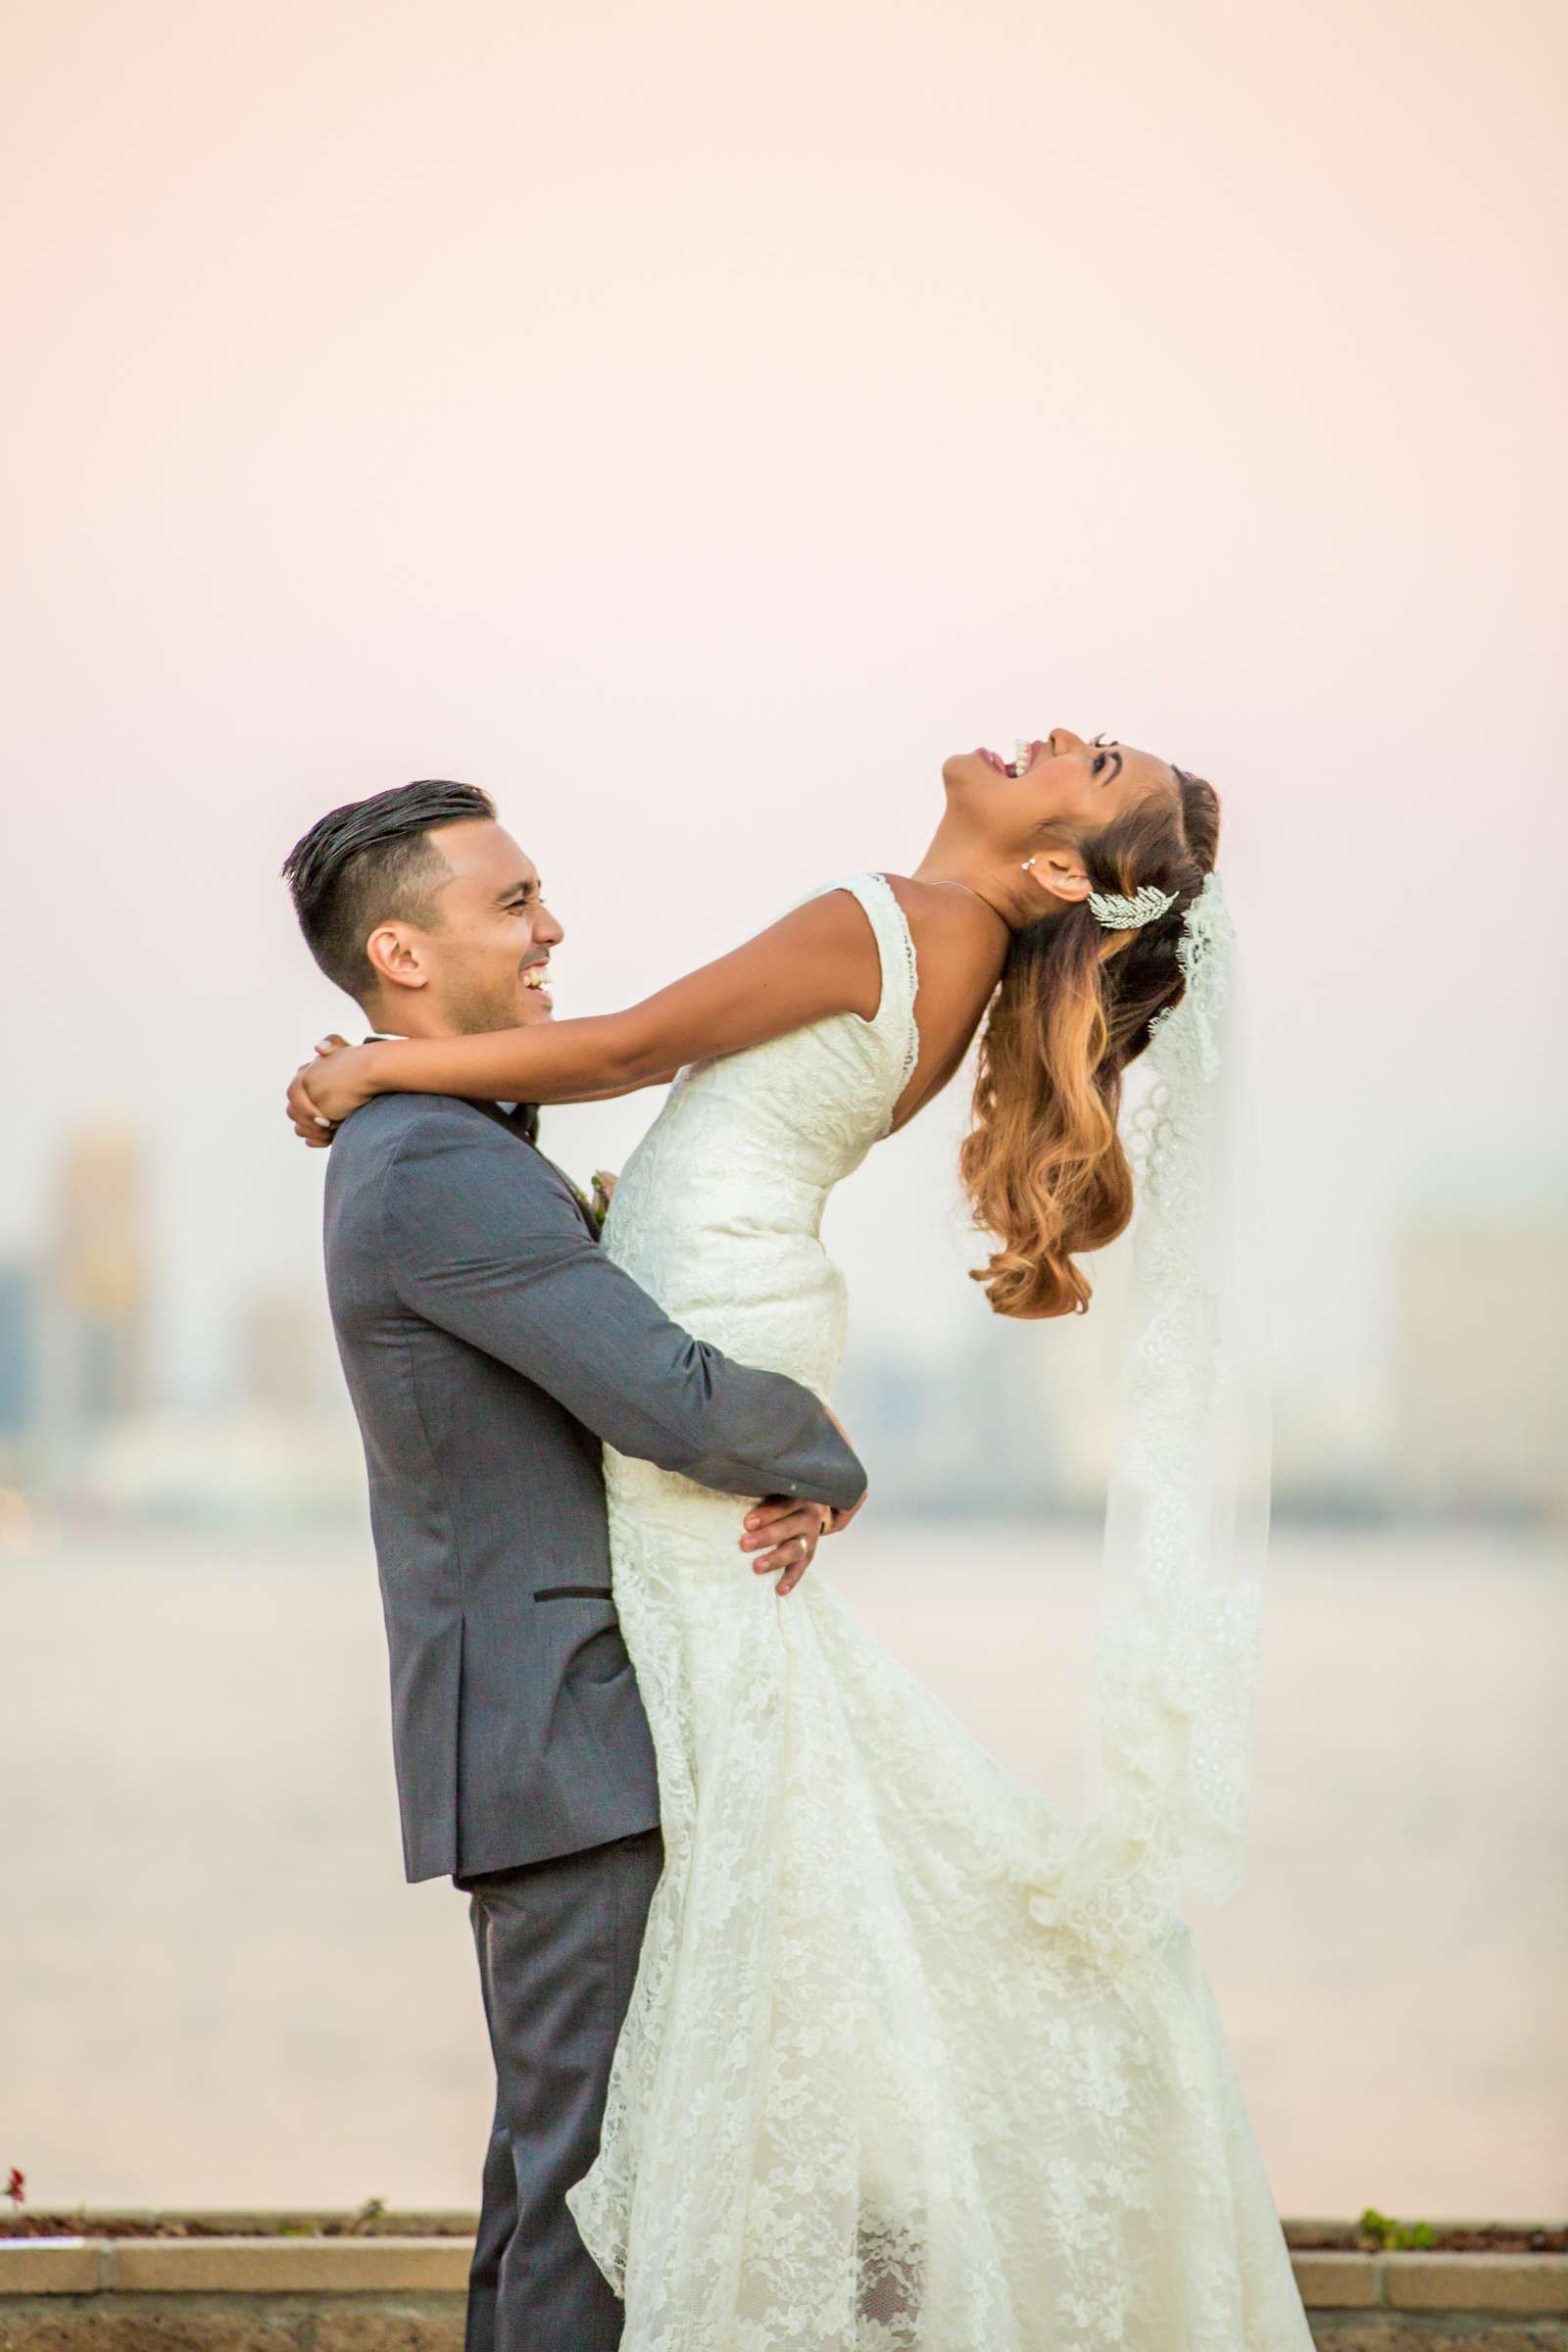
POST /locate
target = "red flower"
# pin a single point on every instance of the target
(17, 2186)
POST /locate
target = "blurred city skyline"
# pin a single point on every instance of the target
(1465, 1415)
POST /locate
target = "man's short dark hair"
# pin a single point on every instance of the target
(371, 862)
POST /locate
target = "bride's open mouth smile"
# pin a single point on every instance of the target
(1022, 756)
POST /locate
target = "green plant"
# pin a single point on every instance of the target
(1395, 2236)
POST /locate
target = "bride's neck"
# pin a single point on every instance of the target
(957, 854)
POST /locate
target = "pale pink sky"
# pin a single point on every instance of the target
(691, 423)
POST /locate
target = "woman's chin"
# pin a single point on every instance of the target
(965, 775)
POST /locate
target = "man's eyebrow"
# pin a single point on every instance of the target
(518, 889)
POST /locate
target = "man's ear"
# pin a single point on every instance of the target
(395, 954)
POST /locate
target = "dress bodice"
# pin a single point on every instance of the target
(718, 1211)
(819, 1097)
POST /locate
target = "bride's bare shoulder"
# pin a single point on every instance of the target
(955, 935)
(942, 920)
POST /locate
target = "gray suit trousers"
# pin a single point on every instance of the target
(558, 1943)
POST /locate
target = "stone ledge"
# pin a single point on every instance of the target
(52, 2266)
(102, 2270)
(234, 2266)
(1332, 2282)
(1513, 2283)
(340, 2266)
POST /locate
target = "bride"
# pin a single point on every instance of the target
(912, 2064)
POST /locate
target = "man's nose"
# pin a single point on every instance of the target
(548, 929)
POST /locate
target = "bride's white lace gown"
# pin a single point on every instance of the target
(865, 2101)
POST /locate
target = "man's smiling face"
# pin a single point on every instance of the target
(480, 958)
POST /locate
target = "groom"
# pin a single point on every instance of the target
(489, 1346)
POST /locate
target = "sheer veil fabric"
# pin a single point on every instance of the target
(1167, 1772)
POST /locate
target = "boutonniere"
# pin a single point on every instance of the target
(603, 1191)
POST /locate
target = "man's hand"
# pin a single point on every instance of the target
(784, 1531)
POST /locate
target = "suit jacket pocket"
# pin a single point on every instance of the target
(600, 1653)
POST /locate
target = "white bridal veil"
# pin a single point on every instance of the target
(1186, 1543)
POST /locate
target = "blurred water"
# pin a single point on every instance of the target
(214, 1987)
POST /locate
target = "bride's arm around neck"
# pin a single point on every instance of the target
(818, 959)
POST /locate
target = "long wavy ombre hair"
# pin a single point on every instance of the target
(1044, 1165)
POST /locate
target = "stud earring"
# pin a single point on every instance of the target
(1028, 863)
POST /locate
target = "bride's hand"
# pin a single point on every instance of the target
(323, 1093)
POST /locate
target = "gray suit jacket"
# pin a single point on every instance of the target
(489, 1345)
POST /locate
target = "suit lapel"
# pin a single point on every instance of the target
(493, 1111)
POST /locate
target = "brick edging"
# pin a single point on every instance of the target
(1518, 2283)
(237, 2266)
(1536, 2283)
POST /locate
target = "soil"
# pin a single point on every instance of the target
(239, 2224)
(1493, 2238)
(1490, 2237)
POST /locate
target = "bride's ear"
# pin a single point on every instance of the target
(1058, 874)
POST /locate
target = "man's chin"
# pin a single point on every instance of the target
(483, 1018)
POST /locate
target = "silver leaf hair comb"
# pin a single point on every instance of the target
(1117, 914)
